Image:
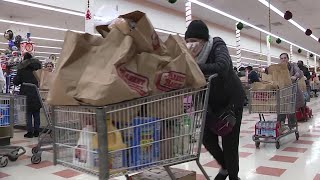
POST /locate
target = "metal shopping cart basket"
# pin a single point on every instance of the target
(45, 139)
(280, 102)
(132, 136)
(12, 111)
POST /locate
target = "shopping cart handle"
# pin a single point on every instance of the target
(212, 77)
(29, 84)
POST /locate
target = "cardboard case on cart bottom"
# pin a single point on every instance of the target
(161, 174)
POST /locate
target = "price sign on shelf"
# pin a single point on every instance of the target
(27, 47)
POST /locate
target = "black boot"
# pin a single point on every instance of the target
(222, 175)
(36, 133)
(29, 135)
(234, 178)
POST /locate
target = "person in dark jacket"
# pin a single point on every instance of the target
(252, 75)
(226, 91)
(306, 73)
(25, 75)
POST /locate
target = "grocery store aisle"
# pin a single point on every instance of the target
(297, 160)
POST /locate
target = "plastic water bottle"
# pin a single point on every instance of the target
(258, 129)
(267, 129)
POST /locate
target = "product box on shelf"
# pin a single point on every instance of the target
(161, 174)
(142, 141)
(267, 128)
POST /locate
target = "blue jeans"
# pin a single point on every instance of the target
(36, 118)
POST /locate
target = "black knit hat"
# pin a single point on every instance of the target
(197, 29)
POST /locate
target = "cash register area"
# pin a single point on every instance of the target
(298, 160)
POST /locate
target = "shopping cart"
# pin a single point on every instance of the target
(132, 136)
(280, 102)
(12, 111)
(45, 139)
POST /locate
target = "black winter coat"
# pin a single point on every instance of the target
(25, 75)
(227, 88)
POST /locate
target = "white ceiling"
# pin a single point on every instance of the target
(256, 13)
(304, 12)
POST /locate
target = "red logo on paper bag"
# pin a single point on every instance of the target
(262, 96)
(135, 81)
(169, 81)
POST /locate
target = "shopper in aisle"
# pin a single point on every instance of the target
(252, 75)
(2, 82)
(306, 73)
(49, 66)
(242, 72)
(226, 94)
(316, 84)
(295, 74)
(25, 74)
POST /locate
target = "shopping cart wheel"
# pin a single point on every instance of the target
(297, 136)
(35, 159)
(277, 144)
(13, 156)
(35, 150)
(3, 161)
(257, 144)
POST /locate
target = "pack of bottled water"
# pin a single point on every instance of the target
(267, 128)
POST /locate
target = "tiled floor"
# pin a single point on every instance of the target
(298, 160)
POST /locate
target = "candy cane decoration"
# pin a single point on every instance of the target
(238, 46)
(291, 53)
(269, 50)
(188, 13)
(89, 17)
(315, 63)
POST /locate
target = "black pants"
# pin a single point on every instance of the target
(228, 156)
(36, 118)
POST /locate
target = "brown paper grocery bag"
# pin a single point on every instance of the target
(37, 74)
(266, 77)
(263, 99)
(78, 51)
(144, 35)
(302, 85)
(280, 75)
(106, 80)
(182, 58)
(46, 79)
(263, 86)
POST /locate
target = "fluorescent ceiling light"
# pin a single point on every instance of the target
(46, 39)
(276, 10)
(164, 31)
(40, 52)
(247, 23)
(46, 7)
(40, 38)
(49, 47)
(37, 25)
(264, 2)
(44, 57)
